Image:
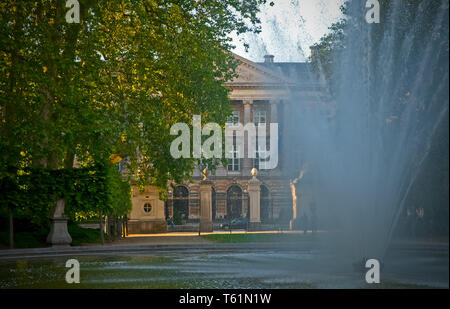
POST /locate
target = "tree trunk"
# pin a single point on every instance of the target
(11, 228)
(69, 159)
(117, 227)
(116, 221)
(102, 237)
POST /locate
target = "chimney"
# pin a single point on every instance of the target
(268, 58)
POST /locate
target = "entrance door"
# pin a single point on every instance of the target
(181, 204)
(234, 202)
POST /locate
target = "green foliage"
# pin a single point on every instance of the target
(118, 193)
(86, 191)
(115, 82)
(22, 239)
(328, 48)
(81, 235)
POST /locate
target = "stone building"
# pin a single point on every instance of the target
(262, 92)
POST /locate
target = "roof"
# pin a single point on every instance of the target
(298, 71)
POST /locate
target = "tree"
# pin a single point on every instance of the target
(113, 83)
(327, 49)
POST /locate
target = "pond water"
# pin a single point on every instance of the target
(219, 269)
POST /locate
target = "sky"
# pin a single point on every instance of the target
(289, 27)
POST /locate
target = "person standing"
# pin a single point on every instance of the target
(313, 217)
(306, 224)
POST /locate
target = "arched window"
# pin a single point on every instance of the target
(181, 202)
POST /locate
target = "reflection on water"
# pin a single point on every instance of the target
(293, 269)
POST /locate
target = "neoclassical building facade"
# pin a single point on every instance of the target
(262, 93)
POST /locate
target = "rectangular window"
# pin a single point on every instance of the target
(261, 161)
(234, 163)
(256, 162)
(264, 163)
(234, 117)
(259, 117)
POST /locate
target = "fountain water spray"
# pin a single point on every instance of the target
(367, 144)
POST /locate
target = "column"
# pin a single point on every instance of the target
(206, 206)
(254, 193)
(274, 110)
(274, 119)
(247, 163)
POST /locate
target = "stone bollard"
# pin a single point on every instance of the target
(254, 190)
(206, 225)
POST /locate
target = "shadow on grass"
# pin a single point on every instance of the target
(38, 239)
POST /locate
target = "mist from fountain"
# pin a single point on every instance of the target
(389, 93)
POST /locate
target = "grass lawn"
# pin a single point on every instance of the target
(257, 237)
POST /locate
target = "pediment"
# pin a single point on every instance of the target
(252, 73)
